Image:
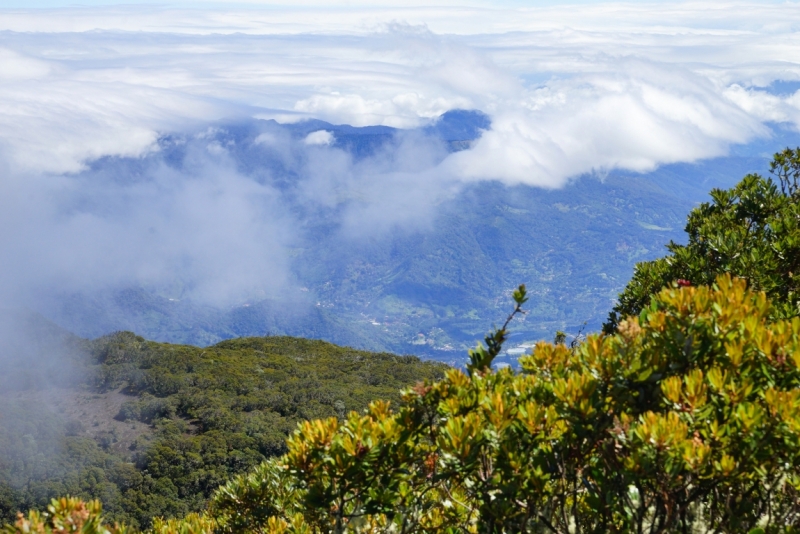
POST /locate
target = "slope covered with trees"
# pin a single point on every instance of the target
(153, 429)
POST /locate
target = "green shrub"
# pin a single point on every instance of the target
(751, 231)
(688, 417)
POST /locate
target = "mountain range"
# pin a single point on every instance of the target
(432, 290)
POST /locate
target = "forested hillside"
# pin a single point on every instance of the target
(152, 429)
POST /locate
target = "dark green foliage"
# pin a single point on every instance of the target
(751, 231)
(200, 416)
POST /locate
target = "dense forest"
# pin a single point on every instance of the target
(682, 416)
(153, 429)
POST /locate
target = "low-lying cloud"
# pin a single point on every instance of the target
(202, 225)
(211, 215)
(95, 103)
(642, 115)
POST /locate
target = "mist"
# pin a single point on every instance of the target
(180, 151)
(36, 355)
(211, 215)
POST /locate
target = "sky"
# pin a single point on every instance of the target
(570, 90)
(260, 4)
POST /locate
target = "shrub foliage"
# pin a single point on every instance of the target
(751, 231)
(688, 416)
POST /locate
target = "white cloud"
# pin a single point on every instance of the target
(765, 106)
(89, 82)
(569, 91)
(18, 67)
(641, 115)
(320, 137)
(198, 225)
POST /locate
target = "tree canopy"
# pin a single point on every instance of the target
(751, 231)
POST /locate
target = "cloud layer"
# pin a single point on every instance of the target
(602, 86)
(569, 91)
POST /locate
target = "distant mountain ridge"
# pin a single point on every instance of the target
(431, 291)
(154, 428)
